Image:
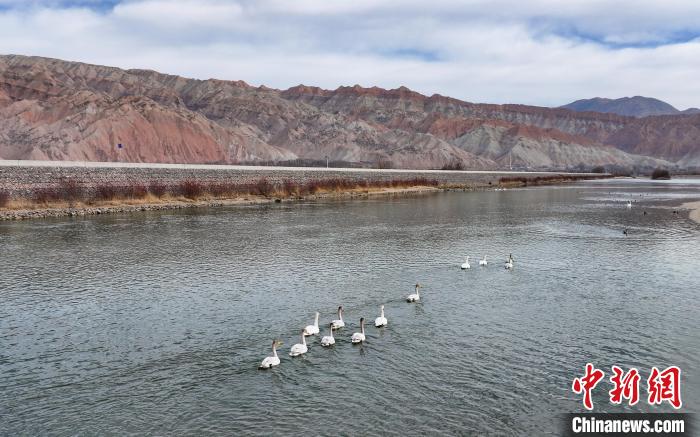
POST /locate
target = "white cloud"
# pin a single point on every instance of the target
(180, 16)
(542, 52)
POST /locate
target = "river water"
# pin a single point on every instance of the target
(155, 323)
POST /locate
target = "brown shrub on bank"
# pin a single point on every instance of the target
(105, 192)
(414, 182)
(290, 188)
(191, 189)
(262, 187)
(311, 187)
(4, 199)
(660, 173)
(45, 195)
(157, 189)
(136, 191)
(70, 190)
(538, 180)
(219, 189)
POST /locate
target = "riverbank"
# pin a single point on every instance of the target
(28, 209)
(694, 208)
(23, 211)
(35, 189)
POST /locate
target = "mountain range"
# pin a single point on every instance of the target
(637, 106)
(60, 110)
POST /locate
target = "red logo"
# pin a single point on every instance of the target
(661, 386)
(587, 383)
(665, 386)
(626, 386)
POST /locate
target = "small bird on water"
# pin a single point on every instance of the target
(509, 262)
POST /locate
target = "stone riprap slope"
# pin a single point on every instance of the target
(21, 178)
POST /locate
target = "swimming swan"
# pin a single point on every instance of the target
(415, 297)
(629, 204)
(483, 262)
(338, 323)
(466, 265)
(359, 337)
(381, 320)
(509, 262)
(273, 360)
(312, 329)
(299, 348)
(328, 340)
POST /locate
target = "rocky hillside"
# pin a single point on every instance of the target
(52, 109)
(636, 106)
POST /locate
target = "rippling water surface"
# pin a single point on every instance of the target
(154, 323)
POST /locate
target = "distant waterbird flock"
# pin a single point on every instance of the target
(629, 203)
(357, 337)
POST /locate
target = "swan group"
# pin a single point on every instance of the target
(327, 340)
(482, 263)
(358, 337)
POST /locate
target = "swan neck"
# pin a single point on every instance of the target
(316, 320)
(274, 351)
(303, 340)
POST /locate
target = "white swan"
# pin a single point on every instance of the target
(381, 320)
(483, 262)
(312, 329)
(415, 297)
(629, 204)
(328, 340)
(509, 262)
(338, 323)
(273, 360)
(359, 337)
(299, 348)
(466, 265)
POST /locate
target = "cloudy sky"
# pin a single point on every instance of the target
(542, 52)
